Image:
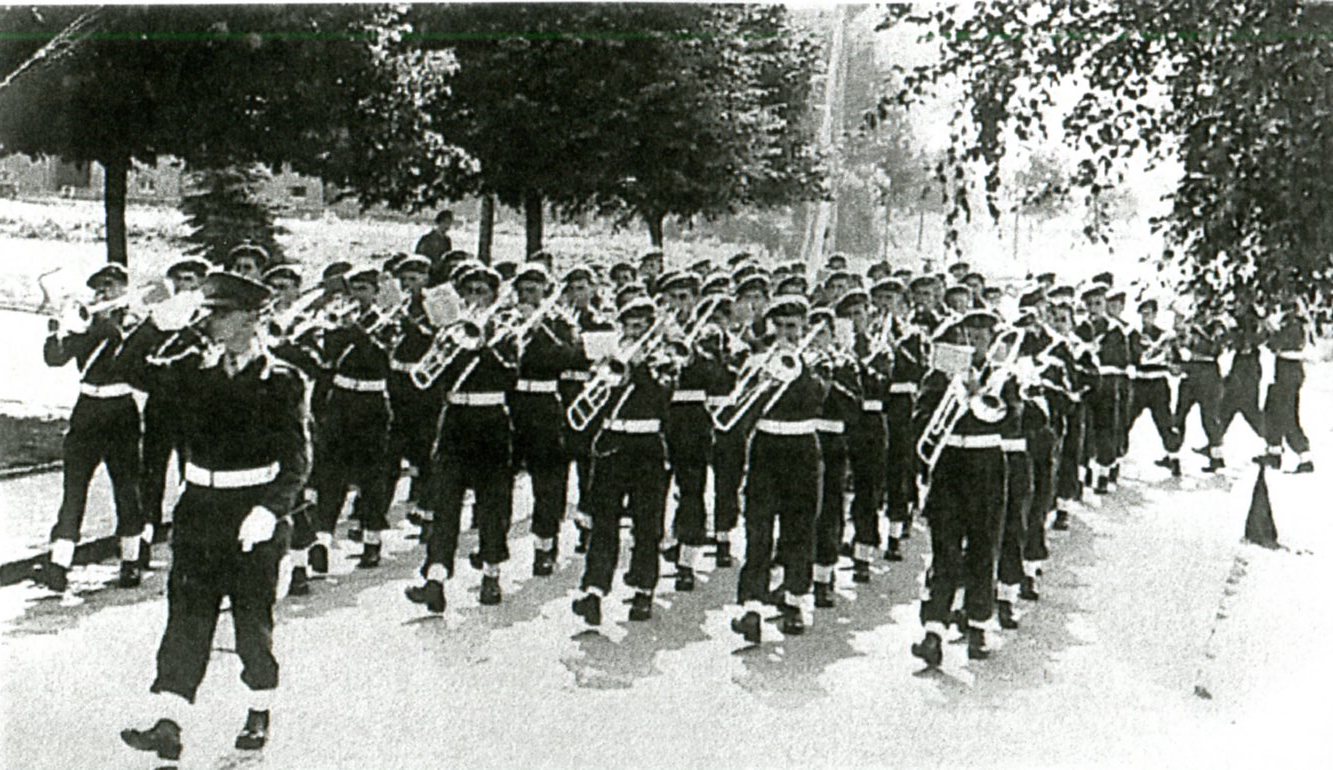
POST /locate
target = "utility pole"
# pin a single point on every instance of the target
(825, 211)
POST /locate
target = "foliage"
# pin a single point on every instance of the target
(1236, 93)
(223, 211)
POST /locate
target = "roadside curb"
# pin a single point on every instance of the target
(30, 470)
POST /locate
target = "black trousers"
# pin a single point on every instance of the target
(729, 450)
(1202, 386)
(160, 437)
(782, 487)
(1068, 484)
(1240, 395)
(1104, 421)
(633, 467)
(900, 489)
(965, 511)
(539, 448)
(1154, 396)
(1124, 393)
(1018, 498)
(354, 440)
(831, 518)
(1044, 448)
(202, 572)
(1282, 410)
(689, 436)
(577, 444)
(412, 431)
(474, 452)
(867, 448)
(101, 430)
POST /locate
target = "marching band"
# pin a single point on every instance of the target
(830, 410)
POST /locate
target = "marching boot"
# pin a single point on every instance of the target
(56, 577)
(1267, 460)
(1102, 486)
(319, 558)
(748, 626)
(824, 596)
(684, 579)
(976, 643)
(1061, 521)
(300, 582)
(894, 551)
(370, 556)
(723, 555)
(490, 590)
(1163, 462)
(845, 549)
(1114, 476)
(354, 532)
(1305, 466)
(641, 608)
(1214, 465)
(860, 571)
(431, 594)
(130, 575)
(162, 739)
(255, 733)
(543, 562)
(672, 553)
(589, 607)
(1027, 590)
(474, 559)
(1175, 467)
(585, 536)
(145, 555)
(959, 621)
(929, 649)
(1005, 610)
(792, 622)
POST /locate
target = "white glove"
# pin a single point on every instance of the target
(257, 528)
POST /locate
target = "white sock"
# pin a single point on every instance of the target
(169, 705)
(262, 700)
(934, 627)
(863, 552)
(1304, 457)
(823, 573)
(62, 553)
(437, 572)
(544, 543)
(148, 533)
(1007, 592)
(372, 537)
(490, 570)
(689, 556)
(896, 530)
(129, 548)
(324, 538)
(723, 537)
(300, 558)
(1030, 568)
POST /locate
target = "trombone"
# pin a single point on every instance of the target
(611, 374)
(775, 370)
(463, 335)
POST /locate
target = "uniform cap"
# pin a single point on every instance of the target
(187, 265)
(533, 271)
(259, 253)
(336, 269)
(888, 285)
(579, 272)
(108, 272)
(791, 284)
(282, 271)
(480, 272)
(228, 291)
(850, 300)
(639, 308)
(367, 273)
(754, 282)
(785, 305)
(410, 263)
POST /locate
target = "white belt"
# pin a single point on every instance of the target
(787, 427)
(1110, 370)
(902, 388)
(1292, 355)
(476, 399)
(1075, 397)
(717, 401)
(634, 426)
(575, 375)
(982, 441)
(1159, 374)
(829, 426)
(1014, 444)
(401, 366)
(689, 397)
(535, 386)
(872, 405)
(1193, 360)
(113, 390)
(233, 479)
(361, 386)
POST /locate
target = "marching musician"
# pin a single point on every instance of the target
(1106, 338)
(867, 436)
(1240, 386)
(909, 367)
(782, 482)
(1152, 355)
(1115, 308)
(1080, 364)
(1290, 343)
(545, 352)
(728, 456)
(629, 468)
(1202, 342)
(247, 260)
(473, 449)
(104, 426)
(651, 265)
(842, 404)
(1022, 434)
(965, 506)
(247, 449)
(958, 299)
(415, 412)
(1048, 395)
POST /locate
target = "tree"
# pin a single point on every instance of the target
(223, 212)
(1237, 93)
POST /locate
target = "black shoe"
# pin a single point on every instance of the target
(929, 649)
(792, 624)
(1269, 461)
(490, 591)
(1087, 477)
(585, 535)
(1006, 613)
(748, 626)
(255, 733)
(370, 556)
(1027, 590)
(684, 579)
(1306, 466)
(723, 555)
(860, 571)
(1061, 521)
(1175, 467)
(976, 644)
(145, 555)
(1163, 462)
(543, 563)
(130, 575)
(56, 577)
(641, 608)
(474, 559)
(300, 582)
(354, 533)
(1114, 475)
(1101, 488)
(414, 518)
(589, 607)
(1214, 465)
(824, 596)
(894, 551)
(845, 550)
(672, 554)
(319, 558)
(777, 598)
(163, 739)
(431, 594)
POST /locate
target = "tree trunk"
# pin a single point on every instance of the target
(117, 181)
(920, 228)
(532, 214)
(486, 228)
(654, 221)
(1017, 226)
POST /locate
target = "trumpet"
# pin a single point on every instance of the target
(776, 370)
(522, 331)
(76, 316)
(610, 374)
(463, 335)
